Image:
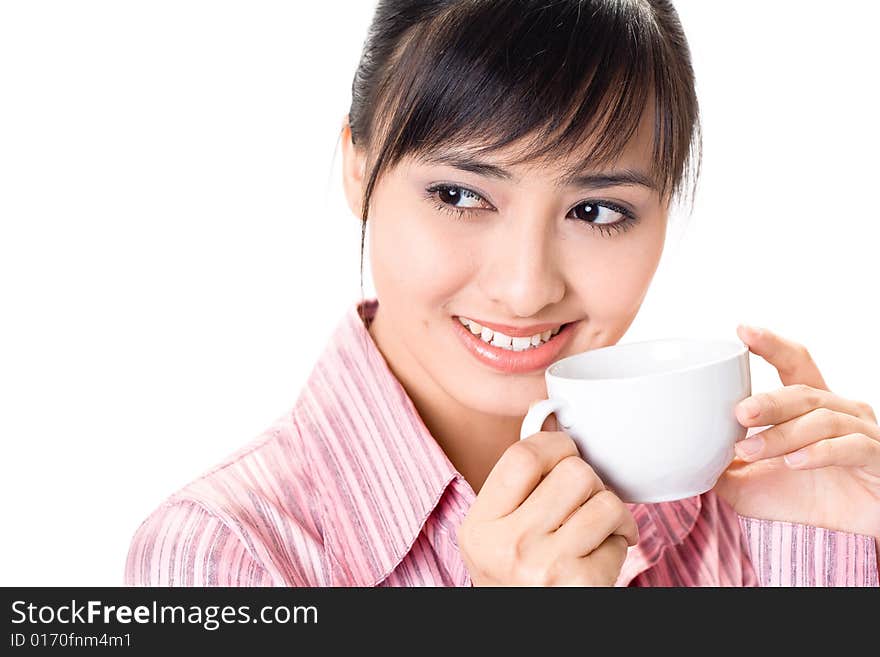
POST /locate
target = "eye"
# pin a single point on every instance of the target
(455, 200)
(603, 216)
(599, 212)
(594, 213)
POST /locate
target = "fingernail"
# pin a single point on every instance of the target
(749, 407)
(796, 458)
(750, 446)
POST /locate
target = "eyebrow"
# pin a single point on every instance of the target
(575, 179)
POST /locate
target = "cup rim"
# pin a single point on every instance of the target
(743, 348)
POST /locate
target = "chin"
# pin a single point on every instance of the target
(510, 399)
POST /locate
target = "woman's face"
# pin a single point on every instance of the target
(524, 252)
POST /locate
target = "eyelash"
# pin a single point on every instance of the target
(607, 230)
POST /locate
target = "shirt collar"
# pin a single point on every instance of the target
(388, 471)
(661, 526)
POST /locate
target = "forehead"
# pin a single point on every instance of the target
(513, 162)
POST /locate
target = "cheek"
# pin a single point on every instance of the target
(412, 255)
(612, 280)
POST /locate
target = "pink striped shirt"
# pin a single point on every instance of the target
(350, 489)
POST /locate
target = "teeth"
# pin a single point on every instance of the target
(522, 343)
(498, 339)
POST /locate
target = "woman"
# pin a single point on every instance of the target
(516, 163)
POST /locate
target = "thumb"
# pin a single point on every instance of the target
(549, 423)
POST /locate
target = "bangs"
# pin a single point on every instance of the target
(555, 77)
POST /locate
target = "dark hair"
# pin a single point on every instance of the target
(482, 74)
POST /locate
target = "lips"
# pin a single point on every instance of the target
(516, 362)
(517, 332)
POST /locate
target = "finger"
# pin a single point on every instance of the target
(852, 450)
(792, 360)
(608, 558)
(791, 401)
(567, 486)
(601, 516)
(599, 568)
(518, 472)
(804, 430)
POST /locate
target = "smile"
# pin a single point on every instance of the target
(511, 343)
(514, 354)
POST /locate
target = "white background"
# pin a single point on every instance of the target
(175, 247)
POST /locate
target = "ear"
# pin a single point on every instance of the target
(353, 167)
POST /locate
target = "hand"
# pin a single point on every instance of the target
(544, 518)
(819, 464)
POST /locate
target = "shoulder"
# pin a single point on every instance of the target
(252, 520)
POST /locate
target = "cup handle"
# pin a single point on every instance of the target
(534, 419)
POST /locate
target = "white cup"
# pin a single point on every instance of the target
(654, 419)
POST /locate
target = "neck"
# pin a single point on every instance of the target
(472, 441)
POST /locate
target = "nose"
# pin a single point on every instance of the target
(521, 274)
